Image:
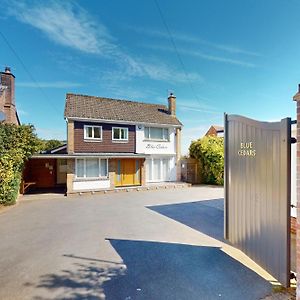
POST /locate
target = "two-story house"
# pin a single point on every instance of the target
(116, 143)
(110, 144)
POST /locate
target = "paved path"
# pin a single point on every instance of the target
(154, 245)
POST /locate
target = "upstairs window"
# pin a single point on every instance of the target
(156, 133)
(119, 134)
(92, 132)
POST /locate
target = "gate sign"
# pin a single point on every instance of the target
(257, 191)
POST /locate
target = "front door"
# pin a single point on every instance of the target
(128, 172)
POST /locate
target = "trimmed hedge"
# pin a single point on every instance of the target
(209, 150)
(17, 144)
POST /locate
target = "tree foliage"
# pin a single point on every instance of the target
(17, 144)
(209, 150)
(50, 144)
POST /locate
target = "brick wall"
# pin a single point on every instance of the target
(297, 98)
(211, 131)
(7, 97)
(298, 199)
(70, 137)
(8, 80)
(106, 145)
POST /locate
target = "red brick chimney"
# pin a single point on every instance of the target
(172, 104)
(297, 95)
(7, 105)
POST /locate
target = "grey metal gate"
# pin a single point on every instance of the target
(257, 191)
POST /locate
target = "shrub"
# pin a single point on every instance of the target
(50, 144)
(209, 150)
(17, 144)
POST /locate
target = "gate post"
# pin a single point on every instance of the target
(297, 99)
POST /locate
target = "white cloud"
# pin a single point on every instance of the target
(188, 38)
(54, 84)
(155, 70)
(164, 72)
(65, 24)
(69, 25)
(197, 53)
(201, 108)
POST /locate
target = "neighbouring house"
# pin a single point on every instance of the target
(110, 144)
(8, 111)
(215, 130)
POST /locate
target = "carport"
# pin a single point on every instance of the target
(46, 172)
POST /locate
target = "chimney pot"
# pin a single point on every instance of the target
(7, 70)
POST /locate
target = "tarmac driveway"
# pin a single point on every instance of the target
(156, 245)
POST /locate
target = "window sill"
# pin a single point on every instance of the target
(120, 141)
(156, 141)
(79, 179)
(93, 140)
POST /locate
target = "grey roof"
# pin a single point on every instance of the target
(90, 107)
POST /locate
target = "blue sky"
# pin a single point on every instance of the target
(238, 57)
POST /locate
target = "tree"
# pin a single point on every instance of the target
(209, 150)
(17, 144)
(50, 144)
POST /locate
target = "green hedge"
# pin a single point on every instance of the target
(17, 144)
(209, 150)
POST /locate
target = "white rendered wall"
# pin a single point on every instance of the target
(91, 185)
(155, 147)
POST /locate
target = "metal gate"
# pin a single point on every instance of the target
(257, 191)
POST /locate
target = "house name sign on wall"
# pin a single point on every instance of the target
(156, 146)
(246, 149)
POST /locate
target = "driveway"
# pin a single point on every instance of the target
(165, 244)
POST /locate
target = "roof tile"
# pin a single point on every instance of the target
(91, 107)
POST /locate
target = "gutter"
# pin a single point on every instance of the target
(92, 155)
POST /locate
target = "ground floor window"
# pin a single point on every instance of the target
(91, 168)
(158, 169)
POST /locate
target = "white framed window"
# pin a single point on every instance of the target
(156, 133)
(91, 168)
(158, 169)
(119, 134)
(92, 132)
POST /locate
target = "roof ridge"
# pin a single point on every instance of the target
(112, 99)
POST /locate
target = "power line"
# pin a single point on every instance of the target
(48, 100)
(176, 51)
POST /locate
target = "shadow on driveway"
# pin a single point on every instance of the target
(159, 271)
(164, 271)
(205, 216)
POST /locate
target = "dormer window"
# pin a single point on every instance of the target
(156, 133)
(92, 132)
